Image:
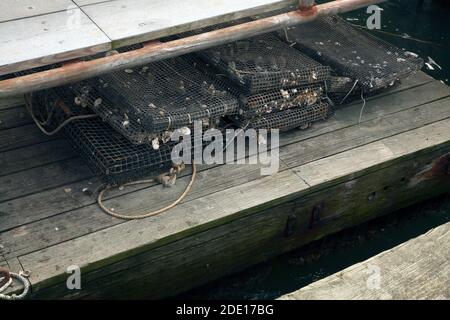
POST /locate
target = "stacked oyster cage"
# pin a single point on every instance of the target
(278, 86)
(139, 111)
(275, 81)
(362, 64)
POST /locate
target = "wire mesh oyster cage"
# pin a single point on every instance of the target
(107, 152)
(352, 53)
(262, 63)
(299, 117)
(112, 156)
(279, 100)
(143, 103)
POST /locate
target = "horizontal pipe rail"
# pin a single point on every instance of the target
(155, 51)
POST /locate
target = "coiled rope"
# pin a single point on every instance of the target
(8, 280)
(148, 214)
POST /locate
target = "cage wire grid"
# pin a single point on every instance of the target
(142, 103)
(107, 152)
(353, 53)
(262, 63)
(278, 100)
(299, 117)
(279, 88)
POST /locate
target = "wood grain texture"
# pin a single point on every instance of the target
(416, 269)
(77, 222)
(131, 21)
(14, 117)
(101, 248)
(46, 39)
(44, 227)
(19, 210)
(160, 272)
(15, 138)
(34, 156)
(17, 9)
(12, 102)
(49, 176)
(88, 2)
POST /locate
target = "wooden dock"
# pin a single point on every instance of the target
(415, 270)
(36, 33)
(334, 175)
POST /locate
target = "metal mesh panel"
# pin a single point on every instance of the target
(288, 119)
(342, 89)
(146, 101)
(353, 53)
(263, 63)
(114, 157)
(278, 100)
(106, 151)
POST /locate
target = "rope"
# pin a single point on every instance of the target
(362, 108)
(5, 276)
(29, 107)
(348, 93)
(22, 277)
(395, 35)
(107, 188)
(148, 214)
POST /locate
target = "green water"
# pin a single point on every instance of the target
(422, 29)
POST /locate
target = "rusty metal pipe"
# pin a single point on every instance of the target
(155, 51)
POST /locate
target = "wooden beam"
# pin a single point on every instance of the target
(158, 51)
(397, 161)
(143, 20)
(415, 270)
(14, 9)
(43, 40)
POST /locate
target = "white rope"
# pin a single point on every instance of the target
(22, 277)
(29, 107)
(362, 108)
(346, 96)
(148, 214)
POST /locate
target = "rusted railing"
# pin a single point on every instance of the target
(154, 51)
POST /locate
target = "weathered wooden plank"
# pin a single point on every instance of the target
(87, 2)
(14, 117)
(12, 102)
(20, 137)
(159, 272)
(13, 9)
(23, 136)
(76, 222)
(143, 20)
(49, 176)
(296, 154)
(369, 131)
(377, 106)
(23, 211)
(19, 211)
(13, 265)
(53, 37)
(127, 239)
(34, 156)
(415, 270)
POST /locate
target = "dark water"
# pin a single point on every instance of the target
(420, 28)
